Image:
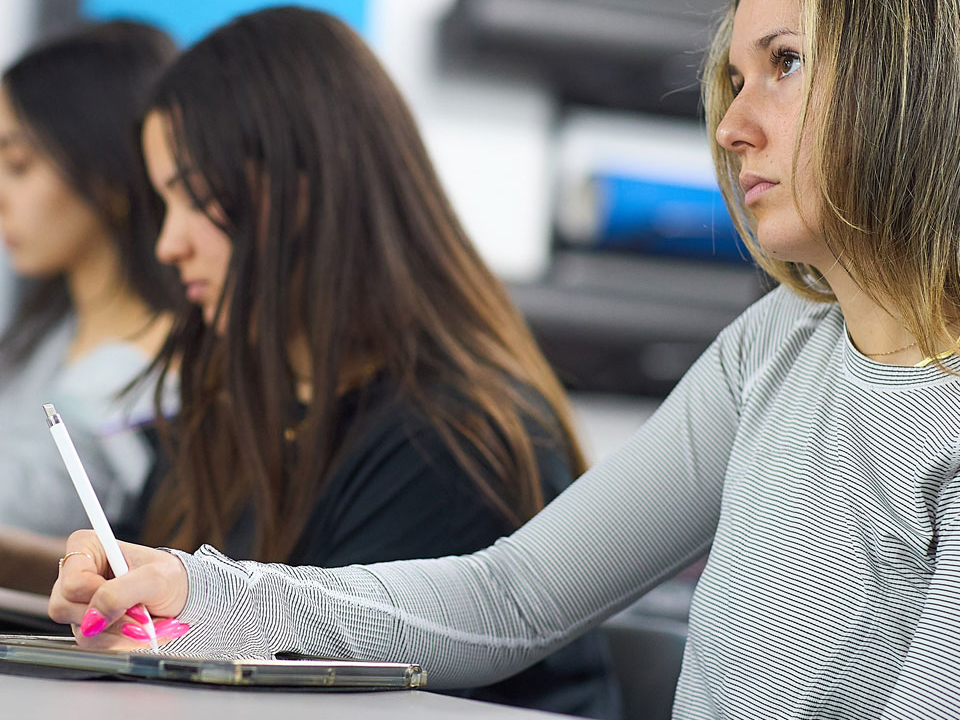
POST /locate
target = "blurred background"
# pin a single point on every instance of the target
(569, 136)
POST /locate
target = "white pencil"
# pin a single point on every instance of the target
(92, 505)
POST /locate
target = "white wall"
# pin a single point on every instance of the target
(489, 138)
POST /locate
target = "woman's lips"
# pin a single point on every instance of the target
(757, 190)
(196, 291)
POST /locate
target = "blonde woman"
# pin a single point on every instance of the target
(813, 448)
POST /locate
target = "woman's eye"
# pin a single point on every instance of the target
(16, 167)
(787, 62)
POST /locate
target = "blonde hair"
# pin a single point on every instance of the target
(885, 141)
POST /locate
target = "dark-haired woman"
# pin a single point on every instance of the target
(78, 218)
(355, 384)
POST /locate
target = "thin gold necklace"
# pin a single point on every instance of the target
(892, 352)
(927, 360)
(364, 376)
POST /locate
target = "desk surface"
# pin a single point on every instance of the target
(23, 697)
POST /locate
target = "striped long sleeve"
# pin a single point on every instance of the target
(824, 481)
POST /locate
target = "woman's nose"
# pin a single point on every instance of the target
(739, 129)
(172, 243)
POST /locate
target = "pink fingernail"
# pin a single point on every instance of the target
(164, 626)
(171, 629)
(135, 632)
(179, 631)
(93, 623)
(138, 614)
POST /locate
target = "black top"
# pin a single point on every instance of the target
(398, 493)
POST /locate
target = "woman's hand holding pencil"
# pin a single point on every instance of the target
(105, 611)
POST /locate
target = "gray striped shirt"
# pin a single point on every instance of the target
(827, 484)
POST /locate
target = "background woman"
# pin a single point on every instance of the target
(78, 218)
(355, 384)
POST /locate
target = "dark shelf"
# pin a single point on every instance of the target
(630, 324)
(641, 56)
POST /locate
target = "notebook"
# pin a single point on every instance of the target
(59, 657)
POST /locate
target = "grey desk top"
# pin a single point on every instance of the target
(23, 697)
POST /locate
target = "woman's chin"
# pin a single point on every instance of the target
(26, 268)
(784, 235)
(788, 247)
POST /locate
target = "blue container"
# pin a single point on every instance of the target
(189, 20)
(664, 218)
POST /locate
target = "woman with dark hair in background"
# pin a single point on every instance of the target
(78, 219)
(356, 385)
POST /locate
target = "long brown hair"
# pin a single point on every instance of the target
(884, 125)
(341, 234)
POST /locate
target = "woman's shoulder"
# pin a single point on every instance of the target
(779, 319)
(387, 409)
(135, 348)
(442, 425)
(105, 370)
(783, 308)
(108, 381)
(397, 458)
